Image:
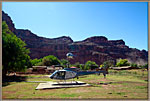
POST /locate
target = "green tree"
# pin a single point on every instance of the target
(77, 64)
(64, 62)
(15, 55)
(123, 62)
(36, 61)
(39, 64)
(90, 65)
(50, 60)
(144, 66)
(107, 64)
(82, 66)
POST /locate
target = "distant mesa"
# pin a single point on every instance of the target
(96, 48)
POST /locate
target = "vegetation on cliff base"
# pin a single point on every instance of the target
(122, 62)
(90, 65)
(36, 61)
(50, 60)
(64, 63)
(46, 61)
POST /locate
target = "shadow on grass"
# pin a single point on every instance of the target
(146, 80)
(7, 79)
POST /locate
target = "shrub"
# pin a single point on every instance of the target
(107, 64)
(134, 65)
(82, 66)
(101, 65)
(64, 63)
(122, 62)
(144, 66)
(36, 61)
(90, 65)
(50, 60)
(39, 64)
(77, 64)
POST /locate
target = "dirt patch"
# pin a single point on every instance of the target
(81, 90)
(106, 86)
(121, 82)
(10, 92)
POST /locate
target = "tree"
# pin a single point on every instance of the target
(82, 66)
(134, 65)
(144, 66)
(36, 61)
(15, 54)
(64, 62)
(107, 64)
(50, 60)
(90, 65)
(122, 62)
(77, 64)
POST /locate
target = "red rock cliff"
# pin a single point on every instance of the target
(97, 48)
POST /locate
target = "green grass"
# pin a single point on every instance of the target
(124, 85)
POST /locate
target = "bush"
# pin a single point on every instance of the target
(122, 62)
(101, 65)
(77, 64)
(64, 63)
(82, 66)
(144, 66)
(108, 64)
(46, 61)
(90, 65)
(39, 64)
(36, 61)
(134, 65)
(50, 60)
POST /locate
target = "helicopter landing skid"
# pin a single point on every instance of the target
(54, 85)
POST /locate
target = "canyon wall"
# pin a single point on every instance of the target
(96, 48)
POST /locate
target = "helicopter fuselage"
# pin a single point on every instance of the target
(70, 74)
(63, 74)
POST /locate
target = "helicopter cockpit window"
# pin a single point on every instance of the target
(60, 75)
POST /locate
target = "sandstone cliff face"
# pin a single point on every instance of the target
(97, 48)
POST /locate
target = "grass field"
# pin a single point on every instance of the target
(125, 84)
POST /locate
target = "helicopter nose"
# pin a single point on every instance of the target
(51, 76)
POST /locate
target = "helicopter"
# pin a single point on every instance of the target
(71, 73)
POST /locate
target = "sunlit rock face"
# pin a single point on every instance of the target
(96, 48)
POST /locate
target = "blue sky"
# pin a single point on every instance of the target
(80, 20)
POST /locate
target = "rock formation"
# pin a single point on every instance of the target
(96, 48)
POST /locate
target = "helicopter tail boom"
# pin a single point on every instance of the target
(92, 72)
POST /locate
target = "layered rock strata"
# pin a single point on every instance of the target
(96, 48)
